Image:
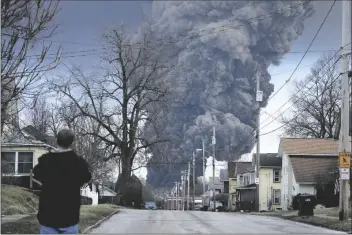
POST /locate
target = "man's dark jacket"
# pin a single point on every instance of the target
(62, 174)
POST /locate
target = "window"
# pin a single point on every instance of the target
(8, 162)
(276, 196)
(16, 162)
(25, 162)
(277, 176)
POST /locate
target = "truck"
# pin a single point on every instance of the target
(198, 203)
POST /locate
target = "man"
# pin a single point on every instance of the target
(62, 173)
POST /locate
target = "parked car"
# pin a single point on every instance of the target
(218, 206)
(150, 206)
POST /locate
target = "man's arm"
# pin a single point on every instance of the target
(85, 175)
(38, 170)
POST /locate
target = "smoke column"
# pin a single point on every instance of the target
(228, 44)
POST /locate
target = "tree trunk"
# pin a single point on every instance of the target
(123, 180)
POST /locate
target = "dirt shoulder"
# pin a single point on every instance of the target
(90, 215)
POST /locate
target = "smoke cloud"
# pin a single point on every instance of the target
(221, 47)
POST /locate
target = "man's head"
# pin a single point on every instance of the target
(65, 138)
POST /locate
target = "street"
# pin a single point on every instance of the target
(166, 221)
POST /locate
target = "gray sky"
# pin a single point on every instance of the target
(82, 22)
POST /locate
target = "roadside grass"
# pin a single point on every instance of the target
(334, 211)
(334, 224)
(324, 217)
(17, 200)
(92, 214)
(89, 216)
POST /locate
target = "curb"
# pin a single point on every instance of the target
(100, 221)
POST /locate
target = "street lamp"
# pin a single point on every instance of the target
(183, 180)
(194, 175)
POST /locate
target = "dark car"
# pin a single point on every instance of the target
(150, 206)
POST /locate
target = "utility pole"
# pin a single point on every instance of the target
(188, 180)
(194, 177)
(259, 98)
(178, 195)
(214, 143)
(181, 190)
(203, 166)
(344, 145)
(176, 206)
(184, 190)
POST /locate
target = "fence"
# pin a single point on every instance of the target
(31, 180)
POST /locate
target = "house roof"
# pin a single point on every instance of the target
(24, 138)
(268, 159)
(307, 169)
(308, 146)
(34, 133)
(105, 191)
(223, 175)
(243, 167)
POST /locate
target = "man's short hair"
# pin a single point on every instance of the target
(65, 138)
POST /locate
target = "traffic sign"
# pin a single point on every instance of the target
(256, 180)
(259, 97)
(345, 173)
(345, 160)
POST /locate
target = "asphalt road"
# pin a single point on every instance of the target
(163, 222)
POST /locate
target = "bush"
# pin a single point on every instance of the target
(86, 201)
(326, 195)
(131, 192)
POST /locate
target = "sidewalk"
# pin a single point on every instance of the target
(12, 218)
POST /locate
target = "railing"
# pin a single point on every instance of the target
(31, 180)
(246, 179)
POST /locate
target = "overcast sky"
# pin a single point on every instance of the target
(82, 22)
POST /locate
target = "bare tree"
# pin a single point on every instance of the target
(316, 103)
(23, 25)
(39, 116)
(117, 101)
(88, 144)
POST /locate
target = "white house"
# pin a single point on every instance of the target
(304, 160)
(90, 191)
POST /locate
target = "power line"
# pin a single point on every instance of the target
(252, 138)
(309, 104)
(16, 74)
(73, 54)
(299, 91)
(311, 43)
(308, 81)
